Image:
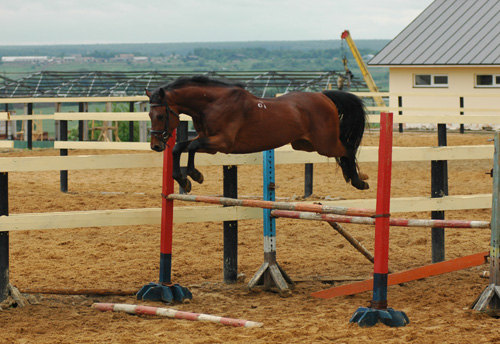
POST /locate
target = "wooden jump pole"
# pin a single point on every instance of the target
(265, 204)
(371, 221)
(406, 276)
(165, 290)
(489, 300)
(173, 313)
(378, 310)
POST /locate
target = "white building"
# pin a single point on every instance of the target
(452, 47)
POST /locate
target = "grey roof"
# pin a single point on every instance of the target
(448, 32)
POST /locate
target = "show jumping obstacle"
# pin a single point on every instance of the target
(270, 274)
(173, 313)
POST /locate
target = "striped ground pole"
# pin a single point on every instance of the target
(399, 222)
(173, 313)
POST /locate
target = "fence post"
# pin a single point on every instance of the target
(400, 112)
(131, 124)
(143, 126)
(230, 269)
(439, 188)
(308, 180)
(462, 127)
(29, 129)
(182, 136)
(81, 108)
(4, 237)
(63, 135)
(489, 300)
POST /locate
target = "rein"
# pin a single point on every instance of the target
(164, 135)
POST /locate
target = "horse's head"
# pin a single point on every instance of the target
(164, 120)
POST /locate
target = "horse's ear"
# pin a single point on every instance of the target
(148, 93)
(162, 92)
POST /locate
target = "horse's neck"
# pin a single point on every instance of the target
(194, 101)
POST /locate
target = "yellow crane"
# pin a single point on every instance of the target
(362, 66)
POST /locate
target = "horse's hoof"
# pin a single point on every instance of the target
(186, 186)
(360, 185)
(196, 176)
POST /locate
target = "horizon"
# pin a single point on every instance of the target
(72, 22)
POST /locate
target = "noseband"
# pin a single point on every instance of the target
(163, 135)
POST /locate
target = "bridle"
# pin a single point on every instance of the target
(163, 135)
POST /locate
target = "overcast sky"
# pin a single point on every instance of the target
(164, 21)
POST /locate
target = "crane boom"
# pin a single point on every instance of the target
(362, 66)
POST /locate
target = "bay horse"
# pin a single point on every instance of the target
(229, 119)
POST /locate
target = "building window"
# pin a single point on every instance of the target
(430, 80)
(488, 80)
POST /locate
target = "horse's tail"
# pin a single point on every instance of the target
(352, 117)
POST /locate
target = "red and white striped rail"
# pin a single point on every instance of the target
(315, 208)
(371, 221)
(173, 313)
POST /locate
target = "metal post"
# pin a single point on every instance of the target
(131, 124)
(400, 112)
(489, 300)
(63, 175)
(4, 237)
(308, 180)
(439, 188)
(462, 128)
(81, 108)
(29, 129)
(6, 123)
(230, 269)
(182, 136)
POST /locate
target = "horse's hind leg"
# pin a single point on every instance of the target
(350, 172)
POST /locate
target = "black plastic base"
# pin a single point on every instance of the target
(166, 293)
(367, 317)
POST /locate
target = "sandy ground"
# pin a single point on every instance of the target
(127, 257)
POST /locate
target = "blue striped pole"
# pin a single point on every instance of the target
(269, 195)
(270, 273)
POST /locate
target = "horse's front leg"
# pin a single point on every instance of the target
(193, 147)
(183, 182)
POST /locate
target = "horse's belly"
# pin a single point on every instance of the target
(254, 144)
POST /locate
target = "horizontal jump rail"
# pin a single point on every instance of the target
(143, 116)
(119, 99)
(371, 221)
(195, 214)
(316, 208)
(74, 100)
(85, 116)
(143, 146)
(283, 155)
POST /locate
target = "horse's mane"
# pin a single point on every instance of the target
(201, 80)
(197, 80)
